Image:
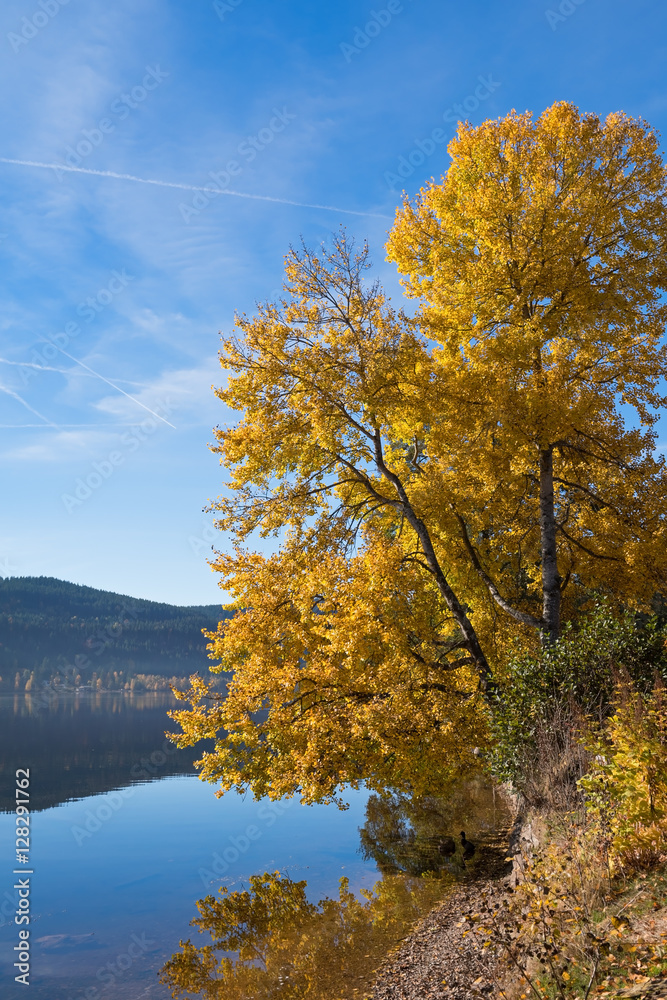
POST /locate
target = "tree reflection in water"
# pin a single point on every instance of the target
(269, 941)
(409, 835)
(288, 948)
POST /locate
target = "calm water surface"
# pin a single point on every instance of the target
(125, 839)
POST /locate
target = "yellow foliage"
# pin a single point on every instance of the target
(540, 263)
(442, 489)
(340, 657)
(626, 786)
(287, 948)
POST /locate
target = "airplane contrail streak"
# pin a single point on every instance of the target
(65, 371)
(116, 387)
(15, 395)
(188, 187)
(60, 427)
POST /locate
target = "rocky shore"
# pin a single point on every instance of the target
(438, 961)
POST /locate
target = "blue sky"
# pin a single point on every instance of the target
(114, 291)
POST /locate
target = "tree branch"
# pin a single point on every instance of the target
(520, 616)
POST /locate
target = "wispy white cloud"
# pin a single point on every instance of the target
(113, 385)
(59, 427)
(62, 446)
(183, 391)
(183, 395)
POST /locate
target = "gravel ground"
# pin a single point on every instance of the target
(436, 962)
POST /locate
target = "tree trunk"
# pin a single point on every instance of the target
(551, 579)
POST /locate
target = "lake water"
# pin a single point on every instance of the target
(124, 839)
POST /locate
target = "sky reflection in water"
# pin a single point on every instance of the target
(118, 874)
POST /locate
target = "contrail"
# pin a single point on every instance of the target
(189, 187)
(60, 427)
(65, 371)
(91, 373)
(116, 387)
(15, 395)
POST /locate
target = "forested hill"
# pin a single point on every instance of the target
(54, 630)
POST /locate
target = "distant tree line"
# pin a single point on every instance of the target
(64, 634)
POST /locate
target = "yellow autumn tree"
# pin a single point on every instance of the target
(540, 262)
(437, 486)
(353, 657)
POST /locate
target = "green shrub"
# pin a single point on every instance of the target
(541, 700)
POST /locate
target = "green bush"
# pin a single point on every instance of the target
(542, 700)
